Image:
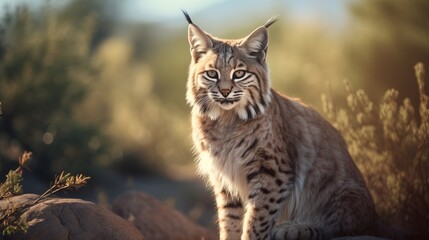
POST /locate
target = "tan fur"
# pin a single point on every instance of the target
(277, 168)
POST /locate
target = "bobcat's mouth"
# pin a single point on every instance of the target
(227, 104)
(226, 101)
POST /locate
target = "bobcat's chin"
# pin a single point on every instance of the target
(226, 105)
(225, 108)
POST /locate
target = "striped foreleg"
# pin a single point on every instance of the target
(230, 212)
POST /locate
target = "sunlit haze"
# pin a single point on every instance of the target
(155, 10)
(330, 11)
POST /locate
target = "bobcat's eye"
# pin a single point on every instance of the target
(211, 75)
(239, 75)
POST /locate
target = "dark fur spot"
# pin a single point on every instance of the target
(311, 232)
(262, 170)
(217, 152)
(272, 211)
(263, 224)
(282, 190)
(286, 172)
(281, 199)
(257, 110)
(251, 176)
(236, 204)
(251, 162)
(253, 145)
(240, 143)
(204, 107)
(260, 90)
(265, 191)
(248, 112)
(254, 231)
(261, 153)
(231, 216)
(265, 229)
(252, 97)
(253, 195)
(317, 233)
(268, 171)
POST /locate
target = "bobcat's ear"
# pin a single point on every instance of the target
(256, 44)
(199, 42)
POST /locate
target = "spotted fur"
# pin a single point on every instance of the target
(277, 168)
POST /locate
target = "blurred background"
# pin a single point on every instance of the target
(98, 86)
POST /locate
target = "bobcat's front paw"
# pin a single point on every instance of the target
(289, 231)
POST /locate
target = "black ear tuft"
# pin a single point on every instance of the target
(188, 18)
(199, 41)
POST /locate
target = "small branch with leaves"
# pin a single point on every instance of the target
(11, 220)
(13, 183)
(64, 181)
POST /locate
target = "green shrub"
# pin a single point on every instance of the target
(45, 71)
(390, 144)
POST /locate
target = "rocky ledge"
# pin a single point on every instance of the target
(134, 215)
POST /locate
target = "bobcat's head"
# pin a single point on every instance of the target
(228, 75)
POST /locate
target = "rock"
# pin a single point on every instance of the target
(155, 220)
(72, 219)
(360, 238)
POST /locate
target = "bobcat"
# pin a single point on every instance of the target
(277, 168)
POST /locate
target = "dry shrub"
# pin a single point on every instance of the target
(390, 144)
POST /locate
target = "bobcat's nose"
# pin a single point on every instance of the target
(224, 92)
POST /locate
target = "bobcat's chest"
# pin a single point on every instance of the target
(224, 151)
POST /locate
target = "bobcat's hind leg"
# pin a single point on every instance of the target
(290, 231)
